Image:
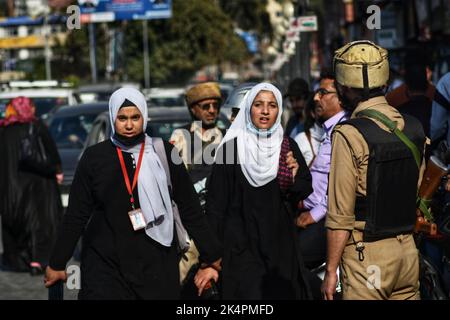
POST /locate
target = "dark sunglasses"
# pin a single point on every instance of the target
(322, 91)
(206, 106)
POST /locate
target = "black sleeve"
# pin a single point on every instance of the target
(302, 186)
(78, 212)
(219, 194)
(50, 146)
(188, 204)
(217, 199)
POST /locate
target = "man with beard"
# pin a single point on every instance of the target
(298, 94)
(196, 143)
(203, 101)
(376, 167)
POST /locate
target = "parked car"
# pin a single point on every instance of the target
(45, 99)
(225, 90)
(235, 97)
(70, 127)
(166, 97)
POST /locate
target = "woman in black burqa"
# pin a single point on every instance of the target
(30, 203)
(256, 181)
(121, 260)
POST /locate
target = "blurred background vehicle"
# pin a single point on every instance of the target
(235, 97)
(70, 127)
(225, 89)
(46, 95)
(166, 97)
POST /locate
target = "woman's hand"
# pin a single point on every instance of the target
(304, 219)
(203, 277)
(447, 185)
(292, 164)
(59, 178)
(53, 276)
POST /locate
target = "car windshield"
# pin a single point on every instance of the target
(43, 104)
(71, 132)
(163, 129)
(166, 101)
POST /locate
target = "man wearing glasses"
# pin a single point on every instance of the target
(203, 101)
(196, 143)
(312, 233)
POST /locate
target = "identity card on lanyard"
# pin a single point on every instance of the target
(136, 216)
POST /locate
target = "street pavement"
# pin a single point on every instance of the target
(23, 286)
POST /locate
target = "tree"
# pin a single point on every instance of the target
(72, 57)
(198, 34)
(249, 15)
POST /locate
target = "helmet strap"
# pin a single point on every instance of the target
(365, 76)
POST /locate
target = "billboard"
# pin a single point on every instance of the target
(111, 10)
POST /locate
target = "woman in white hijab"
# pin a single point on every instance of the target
(257, 180)
(120, 195)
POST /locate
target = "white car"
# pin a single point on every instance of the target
(166, 97)
(45, 99)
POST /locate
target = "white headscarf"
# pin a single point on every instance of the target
(258, 150)
(154, 197)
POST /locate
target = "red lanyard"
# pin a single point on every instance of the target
(136, 173)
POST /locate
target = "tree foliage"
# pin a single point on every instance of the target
(249, 15)
(200, 33)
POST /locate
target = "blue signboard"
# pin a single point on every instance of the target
(109, 10)
(250, 40)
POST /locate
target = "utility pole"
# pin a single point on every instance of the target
(10, 4)
(302, 50)
(146, 54)
(48, 70)
(92, 52)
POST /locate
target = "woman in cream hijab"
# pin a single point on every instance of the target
(120, 200)
(256, 181)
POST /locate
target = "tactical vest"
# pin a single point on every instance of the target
(389, 208)
(197, 168)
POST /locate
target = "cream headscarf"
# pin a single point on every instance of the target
(154, 197)
(258, 150)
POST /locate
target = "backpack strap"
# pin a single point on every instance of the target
(308, 136)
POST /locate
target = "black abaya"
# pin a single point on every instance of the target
(256, 228)
(30, 202)
(117, 262)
